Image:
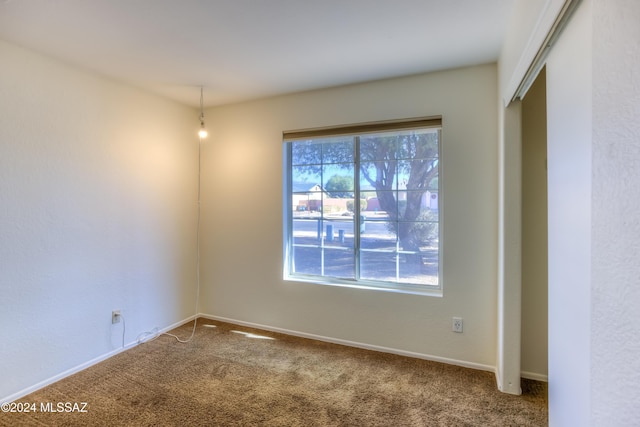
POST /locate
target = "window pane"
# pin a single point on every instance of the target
(378, 234)
(415, 206)
(369, 202)
(306, 260)
(382, 203)
(379, 175)
(306, 230)
(378, 266)
(377, 147)
(338, 231)
(430, 261)
(306, 152)
(378, 245)
(337, 150)
(305, 177)
(339, 263)
(338, 180)
(420, 266)
(419, 145)
(304, 204)
(413, 270)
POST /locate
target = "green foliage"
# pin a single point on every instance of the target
(340, 186)
(419, 233)
(426, 229)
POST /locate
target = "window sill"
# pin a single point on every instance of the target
(400, 288)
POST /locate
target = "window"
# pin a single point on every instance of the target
(362, 206)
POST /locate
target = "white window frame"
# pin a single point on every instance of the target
(354, 130)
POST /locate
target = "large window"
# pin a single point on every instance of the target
(363, 205)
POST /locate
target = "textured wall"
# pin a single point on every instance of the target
(97, 212)
(615, 258)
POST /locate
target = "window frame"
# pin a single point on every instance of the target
(355, 131)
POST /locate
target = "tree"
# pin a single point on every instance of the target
(340, 186)
(412, 159)
(386, 161)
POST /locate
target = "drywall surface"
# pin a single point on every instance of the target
(97, 212)
(242, 261)
(569, 138)
(534, 231)
(615, 260)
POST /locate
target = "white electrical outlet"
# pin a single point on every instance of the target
(457, 324)
(115, 316)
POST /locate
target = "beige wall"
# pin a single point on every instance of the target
(97, 212)
(534, 231)
(242, 245)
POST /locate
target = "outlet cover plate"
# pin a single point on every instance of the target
(456, 325)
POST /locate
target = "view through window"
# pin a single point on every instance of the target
(363, 206)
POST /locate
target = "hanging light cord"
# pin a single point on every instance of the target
(201, 107)
(195, 320)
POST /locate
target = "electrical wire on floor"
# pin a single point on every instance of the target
(124, 328)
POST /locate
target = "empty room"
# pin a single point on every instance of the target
(412, 212)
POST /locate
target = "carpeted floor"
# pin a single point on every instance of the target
(235, 376)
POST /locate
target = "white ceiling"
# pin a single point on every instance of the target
(247, 49)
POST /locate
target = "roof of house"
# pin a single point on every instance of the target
(304, 187)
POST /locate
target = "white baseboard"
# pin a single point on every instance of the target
(85, 365)
(356, 344)
(534, 376)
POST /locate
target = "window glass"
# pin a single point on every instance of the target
(364, 209)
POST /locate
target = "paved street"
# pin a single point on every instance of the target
(374, 225)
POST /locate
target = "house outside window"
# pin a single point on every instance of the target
(363, 206)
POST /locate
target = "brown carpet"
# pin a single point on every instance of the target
(226, 378)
